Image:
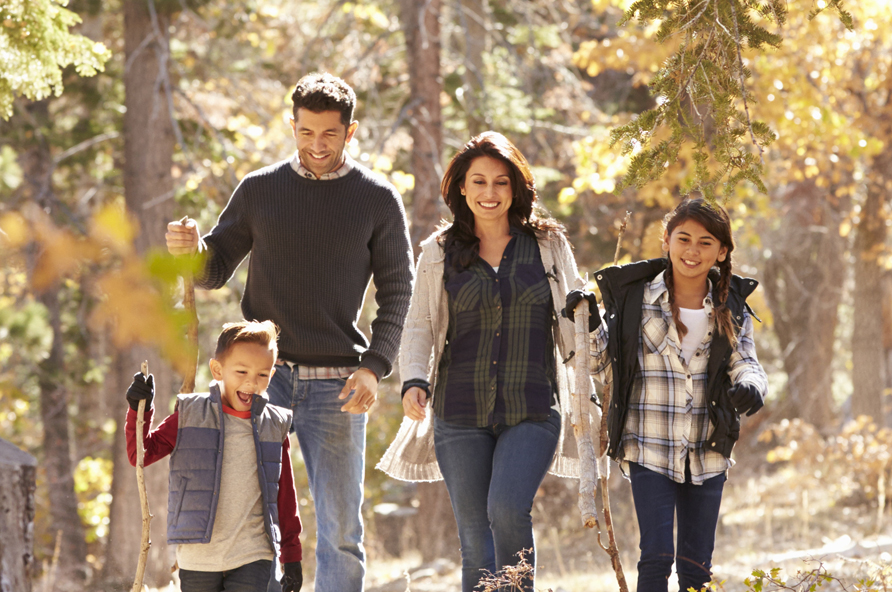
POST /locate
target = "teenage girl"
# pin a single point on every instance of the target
(676, 344)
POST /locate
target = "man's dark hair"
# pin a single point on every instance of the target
(320, 91)
(262, 333)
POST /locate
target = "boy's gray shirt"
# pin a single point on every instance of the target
(314, 246)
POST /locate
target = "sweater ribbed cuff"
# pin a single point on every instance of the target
(416, 382)
(372, 362)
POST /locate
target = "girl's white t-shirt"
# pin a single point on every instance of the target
(697, 321)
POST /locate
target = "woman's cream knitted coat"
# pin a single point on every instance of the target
(411, 456)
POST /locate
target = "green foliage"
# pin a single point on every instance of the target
(817, 578)
(701, 90)
(35, 45)
(92, 484)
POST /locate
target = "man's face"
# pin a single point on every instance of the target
(245, 371)
(321, 138)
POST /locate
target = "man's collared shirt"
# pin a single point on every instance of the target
(667, 419)
(339, 172)
(498, 365)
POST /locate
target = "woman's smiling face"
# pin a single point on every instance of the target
(487, 189)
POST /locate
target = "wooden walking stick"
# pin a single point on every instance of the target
(590, 465)
(594, 467)
(141, 485)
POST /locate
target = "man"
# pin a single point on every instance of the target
(318, 226)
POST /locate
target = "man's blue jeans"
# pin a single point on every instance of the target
(333, 446)
(658, 499)
(492, 475)
(250, 577)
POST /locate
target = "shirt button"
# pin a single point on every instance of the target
(497, 280)
(494, 362)
(497, 333)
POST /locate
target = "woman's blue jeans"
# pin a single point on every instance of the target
(492, 475)
(658, 500)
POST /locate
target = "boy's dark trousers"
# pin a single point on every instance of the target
(251, 577)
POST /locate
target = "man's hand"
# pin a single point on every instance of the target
(364, 385)
(293, 578)
(414, 402)
(141, 389)
(182, 237)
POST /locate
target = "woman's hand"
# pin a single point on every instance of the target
(414, 402)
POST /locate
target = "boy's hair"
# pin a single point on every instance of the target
(261, 333)
(714, 218)
(320, 91)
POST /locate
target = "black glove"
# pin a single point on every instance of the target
(293, 578)
(574, 298)
(745, 398)
(141, 389)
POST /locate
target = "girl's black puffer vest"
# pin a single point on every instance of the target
(622, 290)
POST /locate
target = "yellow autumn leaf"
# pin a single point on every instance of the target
(567, 195)
(112, 226)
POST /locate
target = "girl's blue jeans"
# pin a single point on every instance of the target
(492, 475)
(658, 500)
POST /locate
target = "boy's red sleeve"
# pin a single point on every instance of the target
(158, 442)
(289, 517)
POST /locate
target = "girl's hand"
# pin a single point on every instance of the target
(414, 402)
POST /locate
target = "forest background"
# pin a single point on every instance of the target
(167, 104)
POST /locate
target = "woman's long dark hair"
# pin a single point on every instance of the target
(715, 220)
(460, 241)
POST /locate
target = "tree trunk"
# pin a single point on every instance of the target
(436, 534)
(17, 484)
(58, 454)
(37, 166)
(421, 26)
(868, 348)
(472, 20)
(803, 284)
(868, 359)
(148, 191)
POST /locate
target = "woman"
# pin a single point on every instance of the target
(485, 304)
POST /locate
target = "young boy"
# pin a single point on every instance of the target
(231, 485)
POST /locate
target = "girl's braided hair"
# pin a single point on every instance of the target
(715, 220)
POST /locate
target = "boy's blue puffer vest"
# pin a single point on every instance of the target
(196, 465)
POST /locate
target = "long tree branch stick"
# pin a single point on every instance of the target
(588, 466)
(188, 385)
(619, 239)
(611, 548)
(143, 498)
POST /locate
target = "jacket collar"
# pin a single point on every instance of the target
(257, 405)
(616, 279)
(656, 291)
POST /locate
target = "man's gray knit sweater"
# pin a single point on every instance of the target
(314, 245)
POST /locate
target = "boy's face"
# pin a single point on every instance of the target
(244, 371)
